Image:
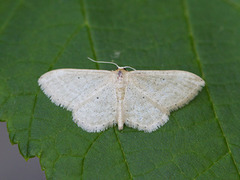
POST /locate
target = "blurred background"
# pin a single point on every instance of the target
(12, 165)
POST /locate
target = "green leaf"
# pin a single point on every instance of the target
(200, 141)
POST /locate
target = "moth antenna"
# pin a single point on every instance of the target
(105, 62)
(129, 67)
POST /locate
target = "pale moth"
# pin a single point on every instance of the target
(100, 99)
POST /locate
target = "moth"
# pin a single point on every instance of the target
(99, 99)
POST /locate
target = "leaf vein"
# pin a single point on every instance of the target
(90, 37)
(232, 4)
(12, 14)
(30, 122)
(50, 67)
(69, 39)
(88, 149)
(124, 157)
(204, 171)
(195, 51)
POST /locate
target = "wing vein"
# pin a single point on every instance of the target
(154, 103)
(99, 89)
(92, 96)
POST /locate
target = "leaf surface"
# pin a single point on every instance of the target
(200, 141)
